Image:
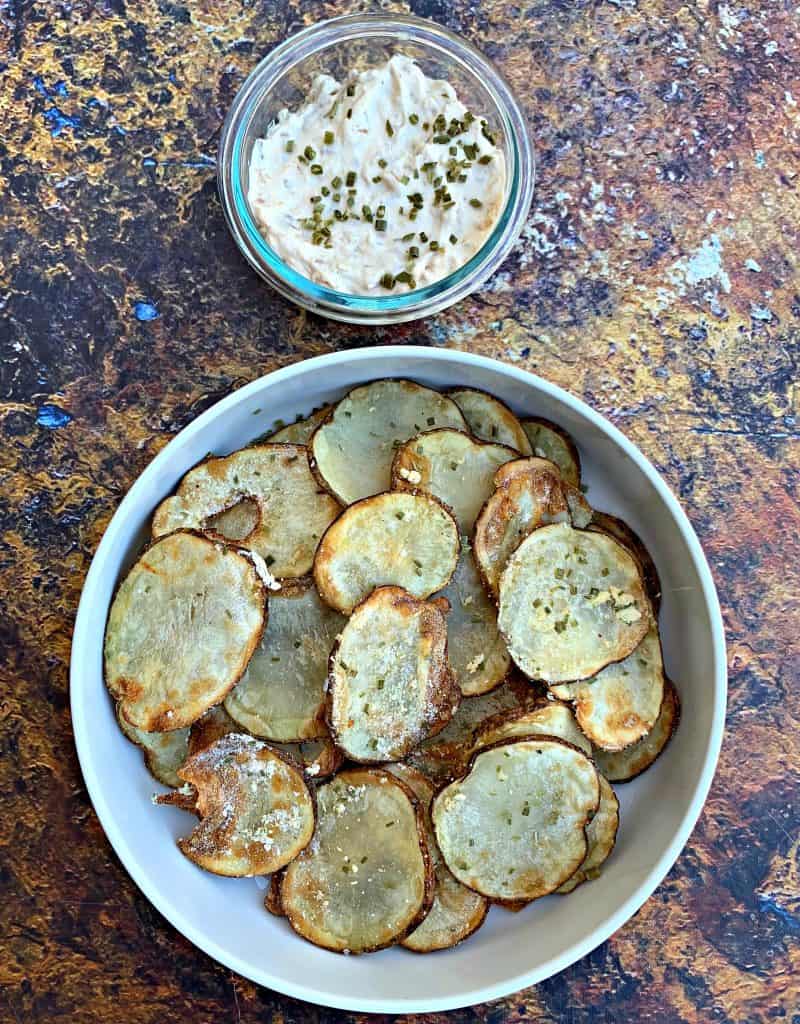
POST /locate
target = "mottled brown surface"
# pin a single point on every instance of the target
(657, 278)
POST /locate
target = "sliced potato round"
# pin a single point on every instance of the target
(264, 497)
(514, 827)
(546, 718)
(529, 493)
(445, 756)
(490, 419)
(352, 451)
(281, 696)
(390, 684)
(164, 752)
(621, 704)
(366, 879)
(256, 811)
(457, 911)
(571, 602)
(301, 431)
(408, 540)
(181, 630)
(454, 467)
(624, 765)
(549, 441)
(601, 834)
(619, 529)
(478, 654)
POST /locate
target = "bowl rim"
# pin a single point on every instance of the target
(382, 308)
(84, 638)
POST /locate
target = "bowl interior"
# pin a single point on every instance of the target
(225, 916)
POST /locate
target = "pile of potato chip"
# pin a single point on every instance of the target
(392, 657)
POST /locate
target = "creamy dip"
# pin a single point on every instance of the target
(385, 182)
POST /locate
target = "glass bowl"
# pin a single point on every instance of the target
(283, 79)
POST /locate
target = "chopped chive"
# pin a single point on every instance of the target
(406, 278)
(485, 159)
(325, 190)
(389, 129)
(413, 118)
(387, 281)
(426, 126)
(349, 113)
(453, 239)
(337, 196)
(476, 203)
(289, 147)
(413, 252)
(423, 237)
(328, 137)
(408, 237)
(405, 179)
(309, 153)
(376, 179)
(380, 225)
(433, 246)
(351, 178)
(441, 140)
(316, 168)
(382, 163)
(350, 90)
(336, 182)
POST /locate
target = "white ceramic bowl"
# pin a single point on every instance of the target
(225, 917)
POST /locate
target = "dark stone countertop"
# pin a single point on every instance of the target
(657, 278)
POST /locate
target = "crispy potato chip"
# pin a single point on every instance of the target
(281, 696)
(390, 684)
(549, 441)
(272, 898)
(627, 764)
(529, 493)
(490, 420)
(445, 756)
(256, 811)
(164, 752)
(571, 602)
(601, 834)
(514, 827)
(263, 497)
(545, 718)
(366, 879)
(352, 451)
(457, 911)
(619, 530)
(478, 654)
(453, 467)
(181, 630)
(408, 540)
(301, 431)
(620, 705)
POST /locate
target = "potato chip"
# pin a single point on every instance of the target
(490, 420)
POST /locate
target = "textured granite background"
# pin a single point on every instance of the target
(657, 278)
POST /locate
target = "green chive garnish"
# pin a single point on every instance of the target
(336, 182)
(485, 159)
(316, 168)
(408, 237)
(405, 278)
(387, 281)
(413, 252)
(389, 129)
(382, 163)
(309, 153)
(349, 113)
(328, 137)
(380, 225)
(350, 180)
(476, 203)
(423, 237)
(289, 146)
(325, 190)
(441, 140)
(413, 118)
(433, 246)
(376, 179)
(350, 90)
(453, 239)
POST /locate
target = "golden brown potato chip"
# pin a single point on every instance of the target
(352, 451)
(272, 898)
(545, 718)
(390, 684)
(627, 764)
(264, 497)
(453, 467)
(301, 431)
(281, 696)
(181, 630)
(256, 811)
(621, 704)
(601, 834)
(529, 493)
(571, 602)
(514, 827)
(366, 879)
(620, 530)
(490, 420)
(549, 441)
(164, 752)
(405, 540)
